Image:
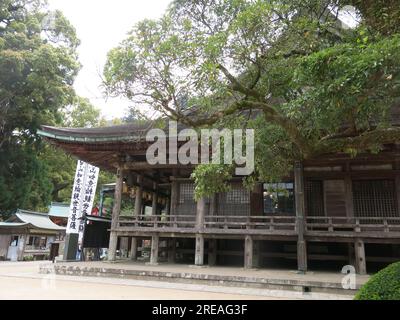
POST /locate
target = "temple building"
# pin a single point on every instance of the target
(29, 235)
(334, 210)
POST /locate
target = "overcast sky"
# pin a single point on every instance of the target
(101, 25)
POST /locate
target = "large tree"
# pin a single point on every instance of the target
(60, 165)
(289, 69)
(38, 64)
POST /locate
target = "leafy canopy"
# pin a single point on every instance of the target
(288, 69)
(38, 64)
(60, 165)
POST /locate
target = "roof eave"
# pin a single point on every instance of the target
(85, 139)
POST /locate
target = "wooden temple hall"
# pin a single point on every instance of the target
(332, 211)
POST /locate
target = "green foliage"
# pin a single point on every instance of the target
(28, 258)
(23, 180)
(81, 114)
(384, 285)
(38, 64)
(311, 86)
(61, 166)
(216, 177)
(381, 16)
(353, 81)
(273, 152)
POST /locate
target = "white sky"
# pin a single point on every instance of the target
(101, 25)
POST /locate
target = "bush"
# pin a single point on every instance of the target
(384, 285)
(28, 258)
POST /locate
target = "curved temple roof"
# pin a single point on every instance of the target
(103, 146)
(13, 224)
(24, 218)
(130, 132)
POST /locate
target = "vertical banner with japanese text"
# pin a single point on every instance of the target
(83, 194)
(89, 193)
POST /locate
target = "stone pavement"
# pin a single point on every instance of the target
(321, 276)
(22, 281)
(269, 282)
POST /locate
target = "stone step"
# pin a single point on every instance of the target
(307, 286)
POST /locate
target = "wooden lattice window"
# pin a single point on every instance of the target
(235, 202)
(186, 193)
(335, 198)
(315, 198)
(238, 195)
(374, 198)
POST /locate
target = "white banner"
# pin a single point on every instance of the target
(89, 193)
(83, 194)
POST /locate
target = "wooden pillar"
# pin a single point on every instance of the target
(124, 246)
(248, 252)
(174, 197)
(155, 240)
(168, 207)
(138, 196)
(171, 250)
(200, 213)
(257, 254)
(212, 252)
(154, 201)
(214, 205)
(398, 191)
(349, 196)
(199, 252)
(351, 254)
(361, 264)
(115, 215)
(257, 200)
(300, 217)
(21, 247)
(134, 247)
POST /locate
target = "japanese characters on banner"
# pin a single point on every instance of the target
(89, 193)
(83, 194)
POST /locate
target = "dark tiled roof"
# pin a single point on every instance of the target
(111, 131)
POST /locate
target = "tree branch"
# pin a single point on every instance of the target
(237, 86)
(270, 114)
(361, 142)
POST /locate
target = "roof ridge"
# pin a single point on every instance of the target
(60, 204)
(32, 212)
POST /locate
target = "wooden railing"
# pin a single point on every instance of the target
(158, 221)
(353, 224)
(36, 248)
(273, 224)
(210, 222)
